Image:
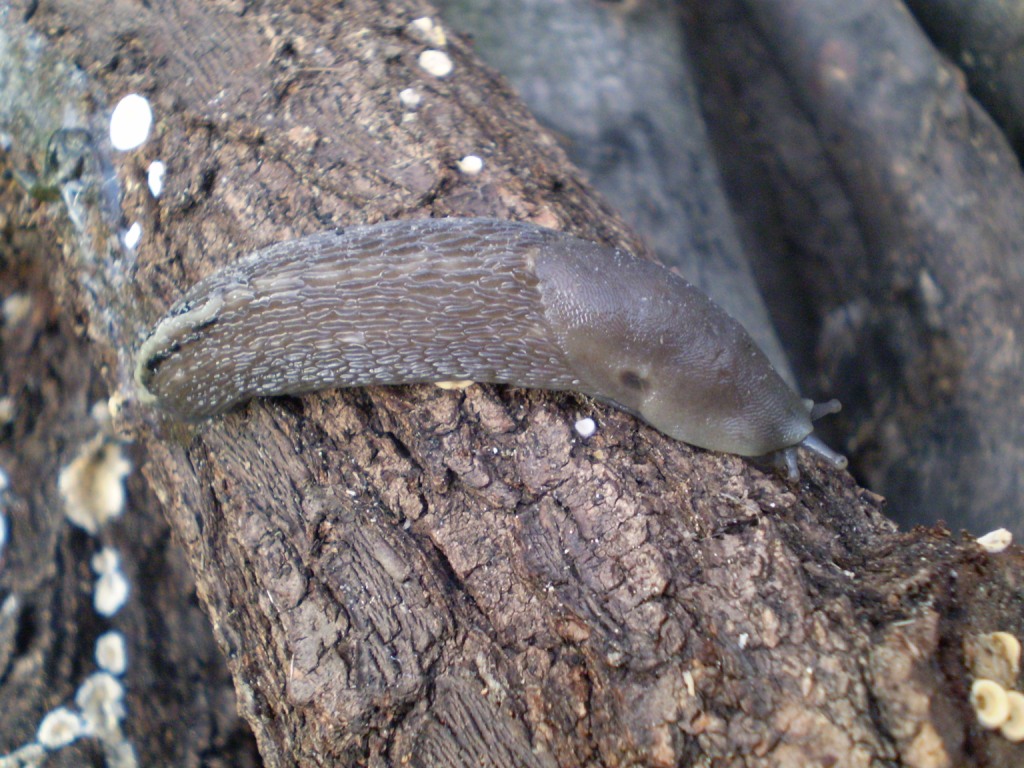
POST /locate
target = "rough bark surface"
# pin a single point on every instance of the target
(421, 577)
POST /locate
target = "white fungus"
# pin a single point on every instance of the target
(437, 63)
(471, 165)
(105, 561)
(993, 656)
(1008, 647)
(100, 698)
(111, 654)
(111, 593)
(990, 703)
(133, 235)
(1013, 727)
(155, 177)
(996, 541)
(59, 728)
(410, 98)
(121, 755)
(28, 756)
(585, 427)
(92, 485)
(130, 122)
(426, 30)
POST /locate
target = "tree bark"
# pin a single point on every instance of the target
(410, 576)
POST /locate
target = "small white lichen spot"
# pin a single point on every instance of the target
(100, 698)
(4, 481)
(92, 485)
(105, 561)
(471, 165)
(110, 594)
(426, 30)
(111, 653)
(586, 427)
(991, 706)
(130, 122)
(17, 307)
(155, 177)
(410, 98)
(996, 541)
(1013, 728)
(436, 63)
(132, 236)
(59, 728)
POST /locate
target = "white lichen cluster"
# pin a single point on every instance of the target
(111, 590)
(92, 489)
(92, 485)
(426, 30)
(98, 713)
(994, 660)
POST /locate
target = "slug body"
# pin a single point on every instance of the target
(473, 299)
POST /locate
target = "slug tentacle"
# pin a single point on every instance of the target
(829, 407)
(815, 445)
(449, 300)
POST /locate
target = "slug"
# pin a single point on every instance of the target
(486, 300)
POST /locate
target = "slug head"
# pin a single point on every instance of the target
(651, 343)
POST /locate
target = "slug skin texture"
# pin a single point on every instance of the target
(482, 300)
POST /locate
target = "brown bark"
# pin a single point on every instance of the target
(415, 576)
